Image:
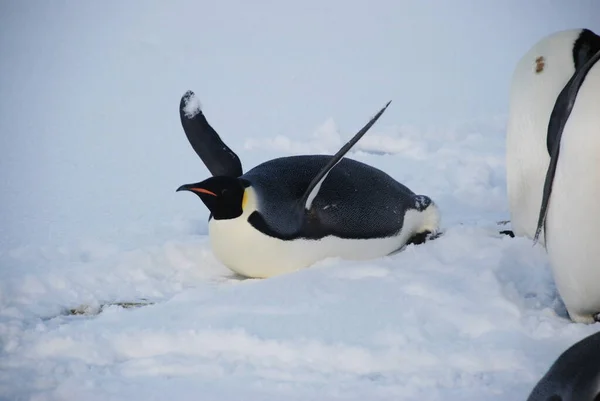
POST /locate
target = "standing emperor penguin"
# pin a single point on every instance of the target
(553, 161)
(290, 212)
(574, 376)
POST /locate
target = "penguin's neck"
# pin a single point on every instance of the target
(250, 203)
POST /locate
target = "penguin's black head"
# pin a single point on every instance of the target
(223, 196)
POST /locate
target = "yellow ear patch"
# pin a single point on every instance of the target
(244, 199)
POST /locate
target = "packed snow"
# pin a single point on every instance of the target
(108, 286)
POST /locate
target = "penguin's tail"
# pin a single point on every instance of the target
(431, 217)
(428, 226)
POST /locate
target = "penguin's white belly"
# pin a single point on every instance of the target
(573, 221)
(538, 78)
(527, 162)
(250, 253)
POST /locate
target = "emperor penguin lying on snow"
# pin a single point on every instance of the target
(553, 161)
(290, 212)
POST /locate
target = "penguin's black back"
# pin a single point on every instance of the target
(355, 200)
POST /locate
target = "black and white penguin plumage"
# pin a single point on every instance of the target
(553, 161)
(290, 212)
(574, 376)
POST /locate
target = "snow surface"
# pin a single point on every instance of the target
(92, 152)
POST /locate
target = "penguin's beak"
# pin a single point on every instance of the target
(198, 190)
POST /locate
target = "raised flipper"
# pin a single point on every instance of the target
(315, 185)
(217, 157)
(558, 119)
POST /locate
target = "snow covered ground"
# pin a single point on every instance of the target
(92, 152)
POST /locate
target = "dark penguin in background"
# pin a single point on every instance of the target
(290, 212)
(574, 376)
(553, 161)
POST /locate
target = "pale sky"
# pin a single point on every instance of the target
(89, 90)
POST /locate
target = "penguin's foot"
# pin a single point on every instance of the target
(585, 319)
(510, 233)
(423, 237)
(435, 235)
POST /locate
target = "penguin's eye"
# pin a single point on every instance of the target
(224, 191)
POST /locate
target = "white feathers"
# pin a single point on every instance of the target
(427, 220)
(572, 228)
(192, 106)
(537, 81)
(313, 194)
